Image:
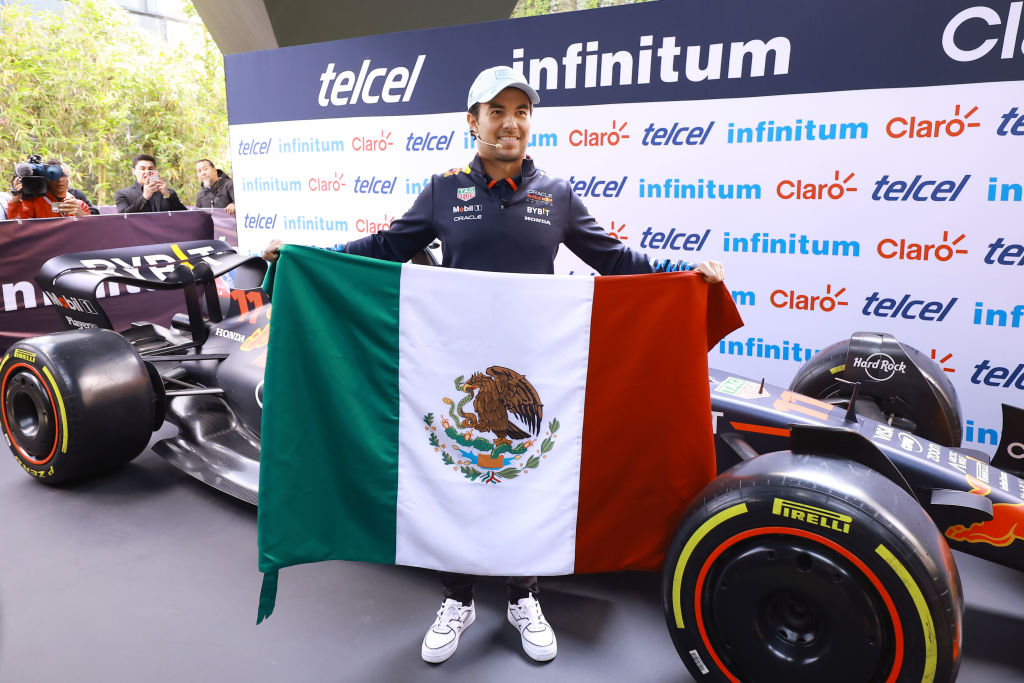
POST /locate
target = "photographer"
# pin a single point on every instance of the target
(41, 191)
(149, 193)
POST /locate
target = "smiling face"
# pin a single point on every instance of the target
(504, 121)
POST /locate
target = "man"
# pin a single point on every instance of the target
(217, 191)
(501, 183)
(149, 193)
(54, 204)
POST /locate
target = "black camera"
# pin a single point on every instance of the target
(34, 174)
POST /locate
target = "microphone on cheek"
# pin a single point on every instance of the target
(478, 138)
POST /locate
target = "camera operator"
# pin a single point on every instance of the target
(28, 198)
(149, 193)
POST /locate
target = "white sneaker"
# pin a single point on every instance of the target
(443, 637)
(538, 636)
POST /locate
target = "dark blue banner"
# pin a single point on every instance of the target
(658, 51)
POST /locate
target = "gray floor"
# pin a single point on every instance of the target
(146, 575)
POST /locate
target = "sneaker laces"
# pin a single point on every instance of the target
(533, 613)
(449, 610)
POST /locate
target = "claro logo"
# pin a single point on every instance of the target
(960, 38)
(370, 85)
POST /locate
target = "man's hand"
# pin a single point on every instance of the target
(230, 208)
(70, 208)
(16, 188)
(150, 188)
(713, 271)
(272, 253)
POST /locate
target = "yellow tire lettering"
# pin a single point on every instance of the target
(60, 404)
(930, 644)
(691, 543)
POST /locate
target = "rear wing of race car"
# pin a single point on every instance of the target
(72, 281)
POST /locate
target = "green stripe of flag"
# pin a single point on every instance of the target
(316, 483)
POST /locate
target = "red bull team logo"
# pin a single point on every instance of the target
(1005, 527)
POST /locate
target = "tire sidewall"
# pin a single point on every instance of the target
(915, 596)
(101, 397)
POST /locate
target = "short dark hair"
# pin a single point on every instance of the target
(142, 157)
(212, 165)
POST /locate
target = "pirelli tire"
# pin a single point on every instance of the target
(819, 378)
(807, 568)
(75, 404)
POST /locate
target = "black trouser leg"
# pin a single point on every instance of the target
(460, 587)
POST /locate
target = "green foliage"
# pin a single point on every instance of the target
(89, 87)
(531, 8)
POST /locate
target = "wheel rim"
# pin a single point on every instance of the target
(787, 608)
(30, 417)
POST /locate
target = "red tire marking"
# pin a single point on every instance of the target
(53, 406)
(889, 604)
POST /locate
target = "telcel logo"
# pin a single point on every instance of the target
(676, 135)
(956, 50)
(429, 142)
(673, 240)
(998, 376)
(907, 308)
(253, 147)
(1005, 254)
(914, 127)
(593, 138)
(597, 188)
(917, 189)
(1012, 123)
(880, 366)
(805, 189)
(397, 85)
(905, 250)
(782, 298)
(260, 221)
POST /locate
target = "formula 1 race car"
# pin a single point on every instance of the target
(821, 551)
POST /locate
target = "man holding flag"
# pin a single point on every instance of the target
(492, 230)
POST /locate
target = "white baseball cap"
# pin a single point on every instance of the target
(492, 81)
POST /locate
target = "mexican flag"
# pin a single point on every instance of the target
(484, 423)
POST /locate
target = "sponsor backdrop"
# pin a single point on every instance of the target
(855, 166)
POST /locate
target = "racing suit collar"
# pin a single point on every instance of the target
(528, 170)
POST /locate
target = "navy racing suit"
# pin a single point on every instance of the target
(510, 229)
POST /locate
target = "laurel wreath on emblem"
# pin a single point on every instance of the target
(513, 450)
